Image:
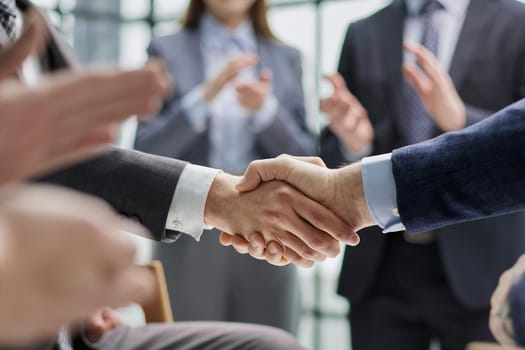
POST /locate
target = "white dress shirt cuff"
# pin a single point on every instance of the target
(380, 192)
(196, 109)
(186, 213)
(265, 116)
(352, 157)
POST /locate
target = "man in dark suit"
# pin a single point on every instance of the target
(481, 45)
(422, 187)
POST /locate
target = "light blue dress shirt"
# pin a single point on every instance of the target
(232, 128)
(378, 179)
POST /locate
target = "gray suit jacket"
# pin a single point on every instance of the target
(488, 69)
(170, 134)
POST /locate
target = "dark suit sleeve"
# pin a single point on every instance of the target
(137, 185)
(169, 134)
(288, 133)
(475, 173)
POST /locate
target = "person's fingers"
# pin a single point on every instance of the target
(337, 81)
(327, 222)
(294, 241)
(237, 65)
(275, 254)
(109, 113)
(266, 76)
(88, 90)
(290, 256)
(74, 150)
(164, 78)
(134, 284)
(236, 241)
(257, 245)
(418, 79)
(425, 59)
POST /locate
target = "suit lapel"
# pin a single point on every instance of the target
(264, 51)
(477, 24)
(192, 65)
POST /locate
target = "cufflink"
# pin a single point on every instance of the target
(395, 212)
(177, 225)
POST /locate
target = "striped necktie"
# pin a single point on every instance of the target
(418, 124)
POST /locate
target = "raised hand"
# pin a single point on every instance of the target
(500, 322)
(70, 116)
(62, 258)
(339, 190)
(348, 118)
(436, 89)
(251, 95)
(213, 87)
(279, 213)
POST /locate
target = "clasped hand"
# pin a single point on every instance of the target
(313, 209)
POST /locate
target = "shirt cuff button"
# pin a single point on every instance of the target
(177, 225)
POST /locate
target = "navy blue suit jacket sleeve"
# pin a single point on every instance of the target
(475, 173)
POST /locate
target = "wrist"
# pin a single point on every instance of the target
(209, 92)
(456, 121)
(350, 185)
(220, 200)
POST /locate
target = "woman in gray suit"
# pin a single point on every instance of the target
(238, 97)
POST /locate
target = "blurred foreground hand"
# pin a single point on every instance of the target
(61, 259)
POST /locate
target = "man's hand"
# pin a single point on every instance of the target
(62, 259)
(37, 135)
(103, 321)
(227, 74)
(500, 321)
(252, 95)
(348, 118)
(278, 212)
(436, 89)
(340, 191)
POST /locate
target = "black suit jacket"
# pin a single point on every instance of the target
(488, 69)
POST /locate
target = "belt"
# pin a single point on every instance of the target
(422, 238)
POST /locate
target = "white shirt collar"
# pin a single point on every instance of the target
(455, 7)
(216, 35)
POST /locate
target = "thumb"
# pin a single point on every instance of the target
(278, 168)
(266, 76)
(264, 171)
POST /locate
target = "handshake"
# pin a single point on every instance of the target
(289, 210)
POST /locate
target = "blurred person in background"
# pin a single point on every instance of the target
(238, 97)
(469, 63)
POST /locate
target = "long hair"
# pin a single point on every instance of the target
(197, 9)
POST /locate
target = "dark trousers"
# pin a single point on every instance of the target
(411, 303)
